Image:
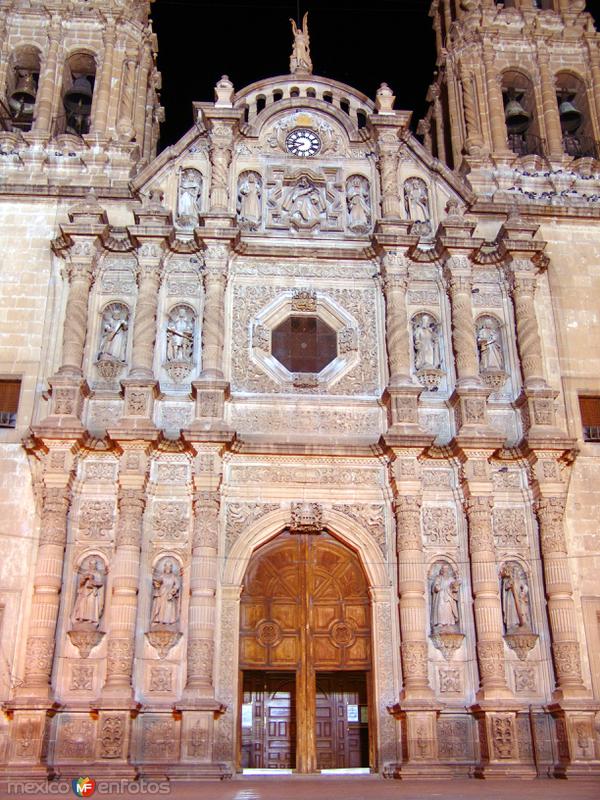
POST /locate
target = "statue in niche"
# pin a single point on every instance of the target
(426, 340)
(300, 60)
(358, 201)
(416, 200)
(444, 598)
(515, 597)
(89, 601)
(113, 333)
(304, 203)
(249, 201)
(489, 344)
(189, 197)
(166, 593)
(180, 335)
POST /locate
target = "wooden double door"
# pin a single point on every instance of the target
(305, 656)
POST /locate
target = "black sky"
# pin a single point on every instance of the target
(361, 45)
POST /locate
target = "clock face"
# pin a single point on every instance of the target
(303, 142)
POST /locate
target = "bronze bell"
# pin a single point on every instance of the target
(78, 99)
(22, 98)
(570, 117)
(517, 118)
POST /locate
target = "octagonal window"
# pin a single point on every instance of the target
(304, 344)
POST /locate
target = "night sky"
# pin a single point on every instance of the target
(199, 40)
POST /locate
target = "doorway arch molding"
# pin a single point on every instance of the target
(384, 626)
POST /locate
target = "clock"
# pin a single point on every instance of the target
(303, 142)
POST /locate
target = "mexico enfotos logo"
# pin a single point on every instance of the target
(86, 786)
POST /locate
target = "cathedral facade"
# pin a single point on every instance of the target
(299, 456)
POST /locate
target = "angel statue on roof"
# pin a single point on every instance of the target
(300, 60)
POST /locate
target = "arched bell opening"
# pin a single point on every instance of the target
(520, 116)
(18, 107)
(575, 118)
(79, 79)
(305, 656)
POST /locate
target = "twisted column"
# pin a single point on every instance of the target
(397, 335)
(388, 146)
(411, 587)
(144, 330)
(48, 80)
(486, 598)
(125, 585)
(124, 122)
(495, 101)
(559, 591)
(463, 329)
(221, 150)
(203, 582)
(549, 105)
(47, 584)
(439, 123)
(213, 325)
(80, 273)
(141, 100)
(100, 121)
(474, 139)
(528, 336)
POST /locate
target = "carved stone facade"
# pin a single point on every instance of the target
(162, 436)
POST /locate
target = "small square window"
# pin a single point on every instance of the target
(589, 408)
(9, 402)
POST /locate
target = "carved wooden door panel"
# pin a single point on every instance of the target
(269, 722)
(305, 606)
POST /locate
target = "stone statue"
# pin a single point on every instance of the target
(180, 334)
(426, 342)
(249, 203)
(304, 203)
(300, 60)
(444, 598)
(166, 592)
(190, 197)
(489, 344)
(89, 601)
(113, 333)
(358, 201)
(416, 200)
(515, 597)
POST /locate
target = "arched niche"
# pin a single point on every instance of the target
(575, 117)
(79, 79)
(20, 91)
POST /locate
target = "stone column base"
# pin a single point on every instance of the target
(469, 406)
(210, 396)
(578, 748)
(138, 411)
(500, 754)
(401, 403)
(420, 755)
(67, 395)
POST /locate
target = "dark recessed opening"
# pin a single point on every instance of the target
(9, 402)
(589, 408)
(304, 344)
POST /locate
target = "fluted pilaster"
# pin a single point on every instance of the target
(549, 105)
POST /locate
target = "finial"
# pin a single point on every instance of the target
(300, 61)
(224, 92)
(384, 100)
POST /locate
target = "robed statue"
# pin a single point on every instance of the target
(300, 60)
(166, 591)
(89, 602)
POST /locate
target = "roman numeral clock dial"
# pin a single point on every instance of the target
(303, 142)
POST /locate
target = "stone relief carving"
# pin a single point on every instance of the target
(112, 736)
(450, 681)
(306, 517)
(166, 593)
(274, 419)
(439, 526)
(416, 203)
(170, 520)
(189, 198)
(504, 737)
(181, 325)
(370, 516)
(510, 530)
(76, 739)
(453, 738)
(525, 680)
(330, 141)
(96, 518)
(305, 201)
(358, 203)
(249, 201)
(160, 740)
(89, 599)
(82, 678)
(304, 204)
(161, 679)
(241, 515)
(112, 347)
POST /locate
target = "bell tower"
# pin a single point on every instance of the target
(78, 82)
(515, 80)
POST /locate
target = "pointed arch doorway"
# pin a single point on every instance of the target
(305, 656)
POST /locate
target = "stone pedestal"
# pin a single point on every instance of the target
(67, 396)
(138, 411)
(500, 754)
(577, 745)
(210, 396)
(420, 758)
(469, 406)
